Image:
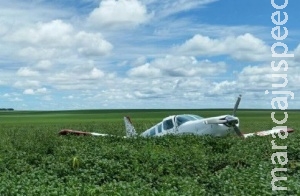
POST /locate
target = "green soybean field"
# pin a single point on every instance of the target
(36, 160)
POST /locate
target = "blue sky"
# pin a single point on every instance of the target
(91, 54)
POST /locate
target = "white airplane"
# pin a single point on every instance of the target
(188, 124)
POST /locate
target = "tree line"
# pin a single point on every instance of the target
(6, 109)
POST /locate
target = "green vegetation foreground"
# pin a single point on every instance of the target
(34, 160)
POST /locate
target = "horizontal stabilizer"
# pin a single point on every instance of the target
(130, 130)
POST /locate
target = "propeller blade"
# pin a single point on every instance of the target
(237, 104)
(237, 131)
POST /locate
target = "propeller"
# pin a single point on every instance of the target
(230, 121)
(237, 131)
(236, 105)
(236, 128)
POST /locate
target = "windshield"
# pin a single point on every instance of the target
(180, 119)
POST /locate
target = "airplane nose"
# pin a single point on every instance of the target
(231, 121)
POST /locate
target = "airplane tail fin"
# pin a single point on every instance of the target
(130, 130)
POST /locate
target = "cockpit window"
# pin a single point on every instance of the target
(159, 128)
(168, 124)
(180, 119)
(152, 131)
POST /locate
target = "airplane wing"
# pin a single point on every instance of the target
(268, 132)
(75, 132)
(130, 131)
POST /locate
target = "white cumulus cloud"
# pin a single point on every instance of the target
(243, 47)
(28, 92)
(92, 44)
(50, 40)
(27, 72)
(118, 13)
(53, 33)
(31, 91)
(44, 65)
(178, 66)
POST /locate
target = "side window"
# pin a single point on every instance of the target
(159, 128)
(152, 132)
(168, 124)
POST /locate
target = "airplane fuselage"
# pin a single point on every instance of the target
(188, 124)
